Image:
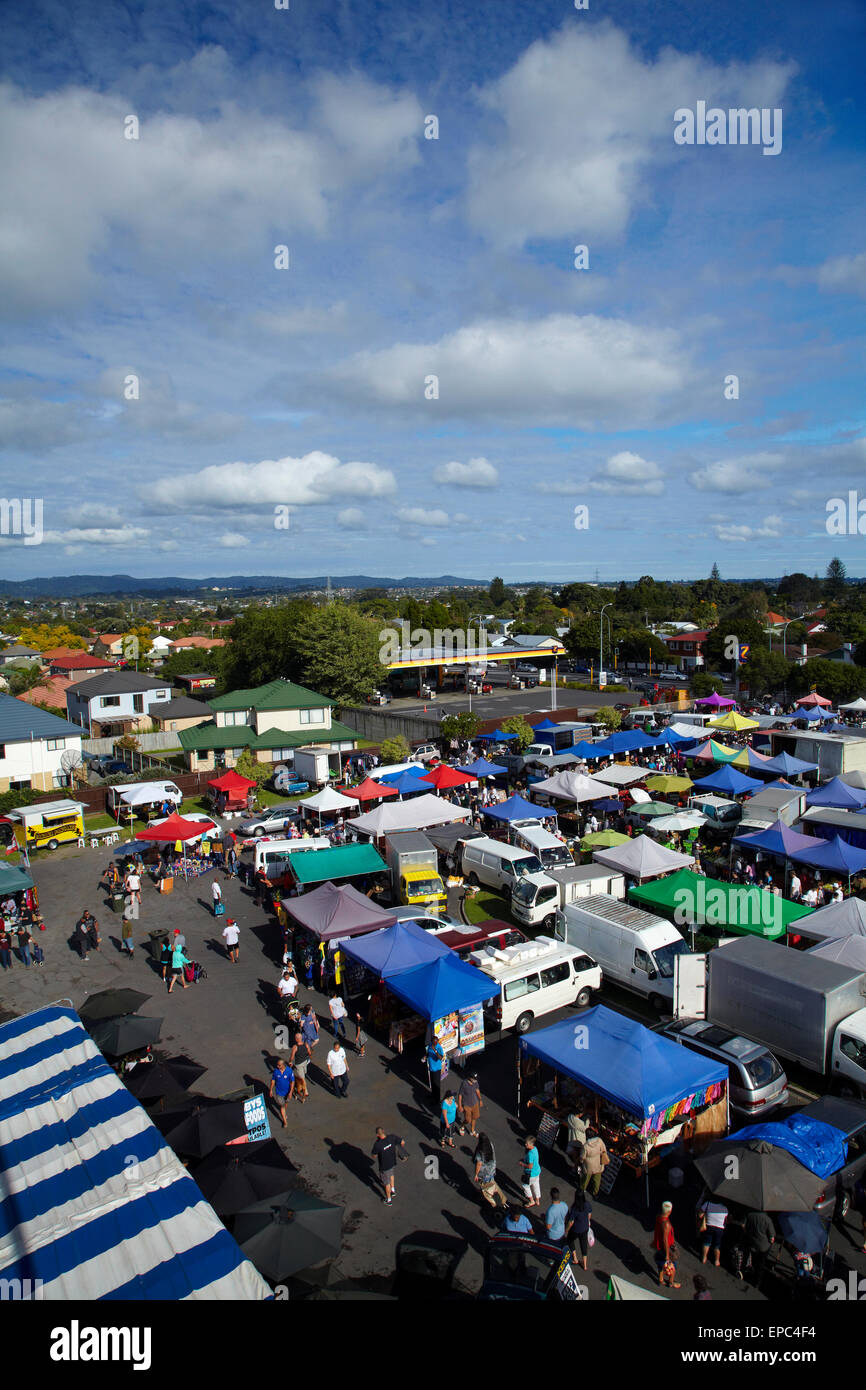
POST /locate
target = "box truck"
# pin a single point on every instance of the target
(798, 1005)
(311, 765)
(536, 898)
(413, 862)
(633, 948)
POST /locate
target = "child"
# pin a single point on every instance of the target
(38, 954)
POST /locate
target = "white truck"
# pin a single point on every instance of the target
(798, 1005)
(633, 948)
(536, 898)
(311, 765)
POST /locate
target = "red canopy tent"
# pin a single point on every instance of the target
(234, 787)
(176, 828)
(369, 790)
(813, 698)
(444, 776)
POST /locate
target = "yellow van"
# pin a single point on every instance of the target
(48, 824)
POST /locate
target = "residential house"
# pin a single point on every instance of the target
(77, 666)
(109, 644)
(18, 655)
(687, 648)
(118, 702)
(272, 720)
(198, 680)
(51, 692)
(201, 644)
(180, 712)
(32, 747)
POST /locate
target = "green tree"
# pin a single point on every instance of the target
(714, 574)
(516, 724)
(248, 765)
(702, 684)
(459, 726)
(835, 577)
(395, 749)
(338, 650)
(497, 592)
(607, 715)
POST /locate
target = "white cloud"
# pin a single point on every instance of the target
(98, 535)
(297, 482)
(424, 516)
(844, 273)
(771, 528)
(582, 117)
(233, 540)
(561, 487)
(308, 319)
(351, 516)
(563, 369)
(748, 473)
(477, 473)
(628, 473)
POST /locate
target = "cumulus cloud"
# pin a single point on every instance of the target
(771, 528)
(424, 516)
(585, 371)
(233, 540)
(844, 273)
(580, 118)
(748, 473)
(628, 473)
(98, 535)
(298, 482)
(351, 516)
(477, 473)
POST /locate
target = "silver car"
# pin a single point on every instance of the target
(757, 1082)
(269, 821)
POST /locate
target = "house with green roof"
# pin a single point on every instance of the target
(272, 720)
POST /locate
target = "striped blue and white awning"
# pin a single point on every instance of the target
(93, 1202)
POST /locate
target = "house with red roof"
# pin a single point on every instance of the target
(687, 647)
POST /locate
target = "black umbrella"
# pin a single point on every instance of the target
(239, 1176)
(287, 1234)
(759, 1175)
(117, 1036)
(805, 1230)
(111, 1003)
(162, 1080)
(202, 1126)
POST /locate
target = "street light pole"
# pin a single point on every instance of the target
(601, 637)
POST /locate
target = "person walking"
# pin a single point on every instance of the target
(577, 1226)
(485, 1172)
(712, 1221)
(531, 1173)
(338, 1068)
(447, 1116)
(436, 1068)
(231, 936)
(165, 954)
(82, 934)
(664, 1244)
(760, 1234)
(178, 961)
(281, 1088)
(178, 939)
(555, 1217)
(299, 1060)
(5, 947)
(217, 895)
(386, 1150)
(287, 985)
(469, 1104)
(126, 941)
(132, 885)
(338, 1013)
(595, 1160)
(25, 940)
(360, 1036)
(310, 1028)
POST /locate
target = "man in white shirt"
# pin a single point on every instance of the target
(338, 1068)
(217, 895)
(795, 887)
(231, 935)
(132, 884)
(715, 1216)
(287, 985)
(338, 1014)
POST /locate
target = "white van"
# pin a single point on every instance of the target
(273, 855)
(633, 948)
(535, 978)
(497, 865)
(551, 851)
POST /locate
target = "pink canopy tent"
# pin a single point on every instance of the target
(813, 698)
(716, 701)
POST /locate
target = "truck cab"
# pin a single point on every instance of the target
(723, 816)
(421, 886)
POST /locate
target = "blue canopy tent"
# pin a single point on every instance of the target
(498, 736)
(609, 803)
(835, 854)
(641, 1072)
(728, 779)
(779, 839)
(545, 725)
(818, 1146)
(788, 766)
(839, 794)
(406, 783)
(131, 847)
(401, 947)
(480, 768)
(517, 808)
(813, 713)
(627, 741)
(588, 751)
(673, 739)
(441, 987)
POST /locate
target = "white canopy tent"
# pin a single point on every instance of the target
(621, 774)
(572, 786)
(416, 814)
(855, 706)
(329, 800)
(148, 793)
(641, 858)
(679, 820)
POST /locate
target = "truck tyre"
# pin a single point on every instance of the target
(53, 844)
(657, 1003)
(583, 998)
(473, 879)
(524, 1023)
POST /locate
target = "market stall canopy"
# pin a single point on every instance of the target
(664, 783)
(572, 786)
(805, 1231)
(498, 736)
(642, 858)
(716, 701)
(174, 828)
(13, 879)
(442, 987)
(336, 910)
(416, 814)
(602, 839)
(733, 720)
(675, 735)
(547, 724)
(839, 794)
(232, 782)
(728, 780)
(679, 821)
(627, 740)
(762, 1176)
(443, 777)
(328, 800)
(640, 797)
(751, 758)
(857, 706)
(788, 766)
(837, 855)
(145, 795)
(408, 783)
(341, 861)
(368, 790)
(814, 699)
(847, 918)
(689, 899)
(844, 950)
(140, 1231)
(621, 774)
(482, 768)
(401, 947)
(812, 714)
(516, 808)
(640, 1071)
(780, 839)
(714, 752)
(623, 1291)
(585, 752)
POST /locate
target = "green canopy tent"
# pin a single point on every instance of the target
(14, 880)
(343, 861)
(688, 899)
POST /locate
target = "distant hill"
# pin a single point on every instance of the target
(85, 585)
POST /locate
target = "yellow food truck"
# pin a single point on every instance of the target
(48, 824)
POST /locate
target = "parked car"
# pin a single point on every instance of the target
(109, 767)
(426, 753)
(379, 697)
(850, 1117)
(270, 820)
(758, 1083)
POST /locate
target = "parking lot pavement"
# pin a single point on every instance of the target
(225, 1023)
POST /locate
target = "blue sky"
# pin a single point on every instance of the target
(411, 258)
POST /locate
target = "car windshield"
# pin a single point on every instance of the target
(530, 865)
(524, 892)
(664, 957)
(728, 813)
(520, 1267)
(426, 885)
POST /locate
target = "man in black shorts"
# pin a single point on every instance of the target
(386, 1149)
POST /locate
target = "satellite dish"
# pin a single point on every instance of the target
(71, 759)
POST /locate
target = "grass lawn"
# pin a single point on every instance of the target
(487, 904)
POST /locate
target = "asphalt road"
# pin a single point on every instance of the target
(225, 1024)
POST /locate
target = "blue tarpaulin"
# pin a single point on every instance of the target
(516, 808)
(401, 947)
(442, 987)
(728, 779)
(818, 1146)
(640, 1071)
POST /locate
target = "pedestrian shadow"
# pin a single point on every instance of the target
(450, 1172)
(630, 1256)
(472, 1235)
(117, 943)
(359, 1164)
(419, 1119)
(215, 946)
